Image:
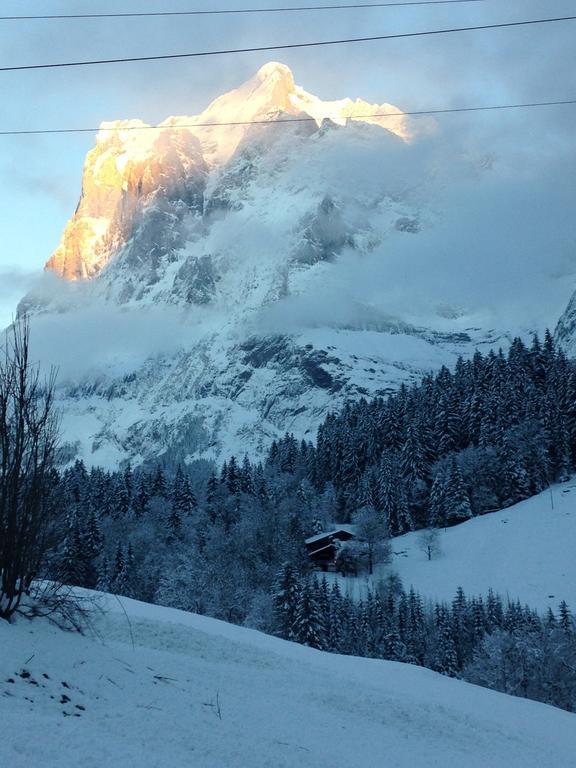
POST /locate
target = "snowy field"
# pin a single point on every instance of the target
(526, 551)
(175, 690)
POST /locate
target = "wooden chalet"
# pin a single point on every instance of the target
(323, 548)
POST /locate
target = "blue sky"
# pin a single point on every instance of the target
(41, 175)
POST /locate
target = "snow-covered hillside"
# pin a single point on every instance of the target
(525, 552)
(168, 689)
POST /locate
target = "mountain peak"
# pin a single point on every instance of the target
(275, 86)
(278, 70)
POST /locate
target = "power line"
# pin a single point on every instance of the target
(288, 46)
(229, 11)
(421, 112)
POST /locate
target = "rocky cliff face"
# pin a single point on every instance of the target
(242, 229)
(121, 181)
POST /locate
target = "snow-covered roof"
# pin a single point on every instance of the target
(345, 527)
(321, 549)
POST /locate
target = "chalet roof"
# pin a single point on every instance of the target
(345, 528)
(321, 549)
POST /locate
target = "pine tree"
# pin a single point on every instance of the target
(76, 566)
(246, 483)
(445, 660)
(288, 453)
(286, 593)
(182, 498)
(336, 620)
(392, 497)
(551, 622)
(121, 502)
(174, 522)
(103, 577)
(437, 504)
(478, 618)
(128, 481)
(414, 462)
(141, 497)
(494, 612)
(232, 476)
(322, 594)
(457, 502)
(447, 423)
(513, 479)
(416, 635)
(308, 628)
(159, 487)
(119, 574)
(93, 536)
(566, 621)
(461, 627)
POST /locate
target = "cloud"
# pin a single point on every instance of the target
(37, 183)
(14, 279)
(14, 283)
(106, 342)
(499, 248)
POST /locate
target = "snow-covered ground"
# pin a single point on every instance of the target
(175, 690)
(526, 551)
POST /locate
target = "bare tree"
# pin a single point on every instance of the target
(28, 442)
(429, 542)
(373, 532)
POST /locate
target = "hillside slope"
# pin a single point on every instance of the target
(174, 689)
(525, 552)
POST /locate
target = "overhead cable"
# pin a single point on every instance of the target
(290, 120)
(236, 11)
(315, 44)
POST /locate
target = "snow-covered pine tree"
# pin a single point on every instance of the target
(308, 628)
(93, 536)
(336, 622)
(159, 486)
(182, 497)
(437, 500)
(445, 657)
(456, 500)
(76, 565)
(285, 599)
(392, 496)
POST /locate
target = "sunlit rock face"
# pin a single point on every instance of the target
(133, 171)
(123, 175)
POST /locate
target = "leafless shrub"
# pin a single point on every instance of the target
(28, 442)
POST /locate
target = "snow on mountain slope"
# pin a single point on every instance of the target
(230, 396)
(174, 689)
(219, 285)
(524, 552)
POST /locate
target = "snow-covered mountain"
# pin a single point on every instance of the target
(154, 687)
(188, 173)
(228, 276)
